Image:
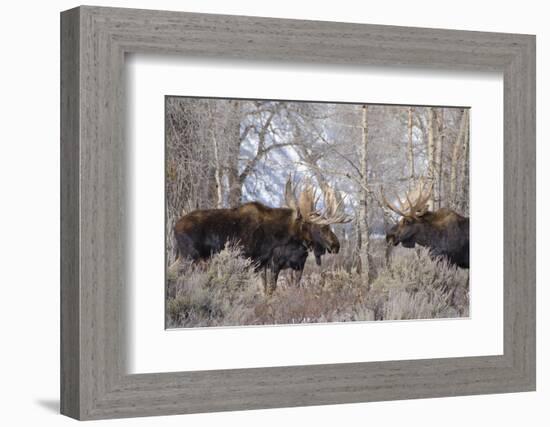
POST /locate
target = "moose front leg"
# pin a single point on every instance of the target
(388, 251)
(296, 277)
(264, 279)
(269, 280)
(273, 280)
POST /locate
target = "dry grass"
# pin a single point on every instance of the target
(227, 292)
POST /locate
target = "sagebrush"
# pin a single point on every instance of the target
(227, 291)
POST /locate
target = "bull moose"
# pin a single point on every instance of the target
(277, 238)
(444, 232)
(294, 254)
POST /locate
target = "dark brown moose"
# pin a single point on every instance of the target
(444, 232)
(274, 238)
(294, 255)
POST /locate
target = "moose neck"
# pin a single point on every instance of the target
(431, 236)
(450, 240)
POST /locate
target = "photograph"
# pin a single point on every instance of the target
(285, 212)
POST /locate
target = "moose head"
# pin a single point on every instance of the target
(315, 225)
(444, 231)
(412, 211)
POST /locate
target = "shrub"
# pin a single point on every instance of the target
(331, 296)
(214, 293)
(417, 286)
(226, 291)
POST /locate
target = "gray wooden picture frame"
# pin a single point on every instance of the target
(94, 382)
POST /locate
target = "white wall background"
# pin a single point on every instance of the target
(29, 212)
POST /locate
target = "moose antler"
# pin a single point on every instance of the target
(334, 206)
(420, 204)
(334, 209)
(290, 196)
(307, 201)
(398, 210)
(415, 205)
(306, 204)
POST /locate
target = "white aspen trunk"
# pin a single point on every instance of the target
(363, 201)
(217, 173)
(217, 167)
(439, 155)
(410, 148)
(464, 204)
(431, 154)
(233, 132)
(455, 157)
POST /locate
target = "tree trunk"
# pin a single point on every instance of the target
(464, 202)
(455, 158)
(235, 189)
(431, 155)
(410, 148)
(216, 130)
(357, 254)
(235, 140)
(211, 199)
(439, 156)
(363, 202)
(217, 172)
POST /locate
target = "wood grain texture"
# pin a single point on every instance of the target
(70, 292)
(95, 235)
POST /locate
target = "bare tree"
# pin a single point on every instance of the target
(431, 153)
(439, 156)
(458, 144)
(218, 168)
(363, 200)
(262, 149)
(233, 147)
(185, 159)
(463, 199)
(410, 150)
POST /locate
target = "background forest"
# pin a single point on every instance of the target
(222, 153)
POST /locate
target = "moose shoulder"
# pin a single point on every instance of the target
(444, 232)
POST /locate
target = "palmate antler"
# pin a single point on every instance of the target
(307, 201)
(290, 195)
(414, 205)
(334, 212)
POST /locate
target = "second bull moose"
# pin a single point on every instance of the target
(274, 238)
(444, 232)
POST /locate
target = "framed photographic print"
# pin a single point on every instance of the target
(255, 186)
(261, 213)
